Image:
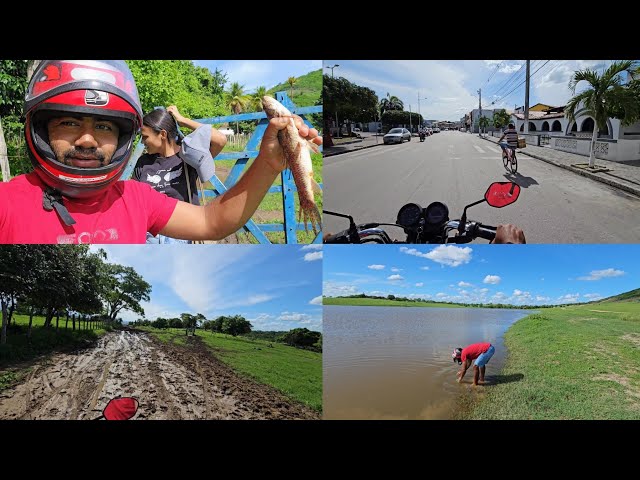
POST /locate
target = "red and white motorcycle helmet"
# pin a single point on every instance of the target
(105, 88)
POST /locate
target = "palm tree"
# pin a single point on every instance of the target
(395, 103)
(291, 81)
(483, 123)
(236, 100)
(607, 98)
(256, 98)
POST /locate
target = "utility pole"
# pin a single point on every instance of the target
(479, 108)
(526, 101)
(410, 124)
(337, 124)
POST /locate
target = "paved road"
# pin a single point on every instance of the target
(555, 206)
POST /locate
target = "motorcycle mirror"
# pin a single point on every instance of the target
(501, 194)
(120, 408)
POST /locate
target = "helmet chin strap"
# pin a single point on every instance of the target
(51, 199)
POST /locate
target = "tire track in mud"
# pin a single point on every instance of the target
(169, 381)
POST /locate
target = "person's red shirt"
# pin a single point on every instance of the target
(123, 213)
(474, 350)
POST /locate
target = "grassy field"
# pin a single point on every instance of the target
(574, 362)
(43, 342)
(296, 373)
(375, 302)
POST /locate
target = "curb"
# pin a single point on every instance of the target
(608, 181)
(331, 154)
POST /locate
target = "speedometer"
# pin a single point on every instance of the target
(409, 215)
(437, 213)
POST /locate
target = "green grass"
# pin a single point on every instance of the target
(566, 363)
(296, 373)
(43, 342)
(376, 302)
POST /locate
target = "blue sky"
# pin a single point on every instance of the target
(256, 73)
(451, 86)
(515, 274)
(275, 287)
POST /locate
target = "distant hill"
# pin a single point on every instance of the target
(306, 91)
(631, 296)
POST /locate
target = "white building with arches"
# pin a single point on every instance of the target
(550, 127)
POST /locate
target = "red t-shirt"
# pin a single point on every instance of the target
(474, 350)
(121, 214)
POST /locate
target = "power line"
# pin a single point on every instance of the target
(505, 96)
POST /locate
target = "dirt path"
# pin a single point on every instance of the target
(169, 381)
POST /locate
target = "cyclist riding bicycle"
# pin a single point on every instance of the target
(512, 140)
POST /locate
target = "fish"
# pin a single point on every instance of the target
(297, 159)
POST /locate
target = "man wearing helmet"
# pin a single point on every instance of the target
(481, 353)
(81, 118)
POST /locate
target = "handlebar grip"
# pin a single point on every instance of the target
(486, 231)
(340, 237)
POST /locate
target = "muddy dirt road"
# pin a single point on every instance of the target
(170, 382)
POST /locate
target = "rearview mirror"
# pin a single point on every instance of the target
(501, 194)
(120, 408)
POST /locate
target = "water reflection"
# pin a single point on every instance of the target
(395, 363)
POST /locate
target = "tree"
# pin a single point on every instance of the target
(237, 100)
(301, 337)
(350, 101)
(291, 81)
(256, 98)
(501, 118)
(236, 325)
(483, 123)
(124, 290)
(606, 97)
(13, 85)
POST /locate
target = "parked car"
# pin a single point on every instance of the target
(397, 135)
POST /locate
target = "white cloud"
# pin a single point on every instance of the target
(569, 298)
(464, 284)
(483, 290)
(316, 300)
(600, 274)
(260, 298)
(424, 268)
(419, 284)
(414, 251)
(450, 255)
(312, 246)
(310, 257)
(394, 269)
(335, 289)
(492, 279)
(540, 298)
(395, 278)
(592, 296)
(374, 267)
(294, 316)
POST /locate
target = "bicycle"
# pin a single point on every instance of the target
(510, 162)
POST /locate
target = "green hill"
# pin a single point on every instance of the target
(631, 296)
(306, 91)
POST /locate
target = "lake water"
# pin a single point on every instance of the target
(395, 363)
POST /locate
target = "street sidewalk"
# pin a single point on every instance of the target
(622, 175)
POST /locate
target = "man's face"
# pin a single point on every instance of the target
(83, 142)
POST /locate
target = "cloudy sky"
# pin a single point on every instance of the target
(275, 287)
(515, 274)
(448, 89)
(256, 73)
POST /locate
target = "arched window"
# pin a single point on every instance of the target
(522, 127)
(556, 127)
(574, 127)
(587, 125)
(532, 127)
(545, 126)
